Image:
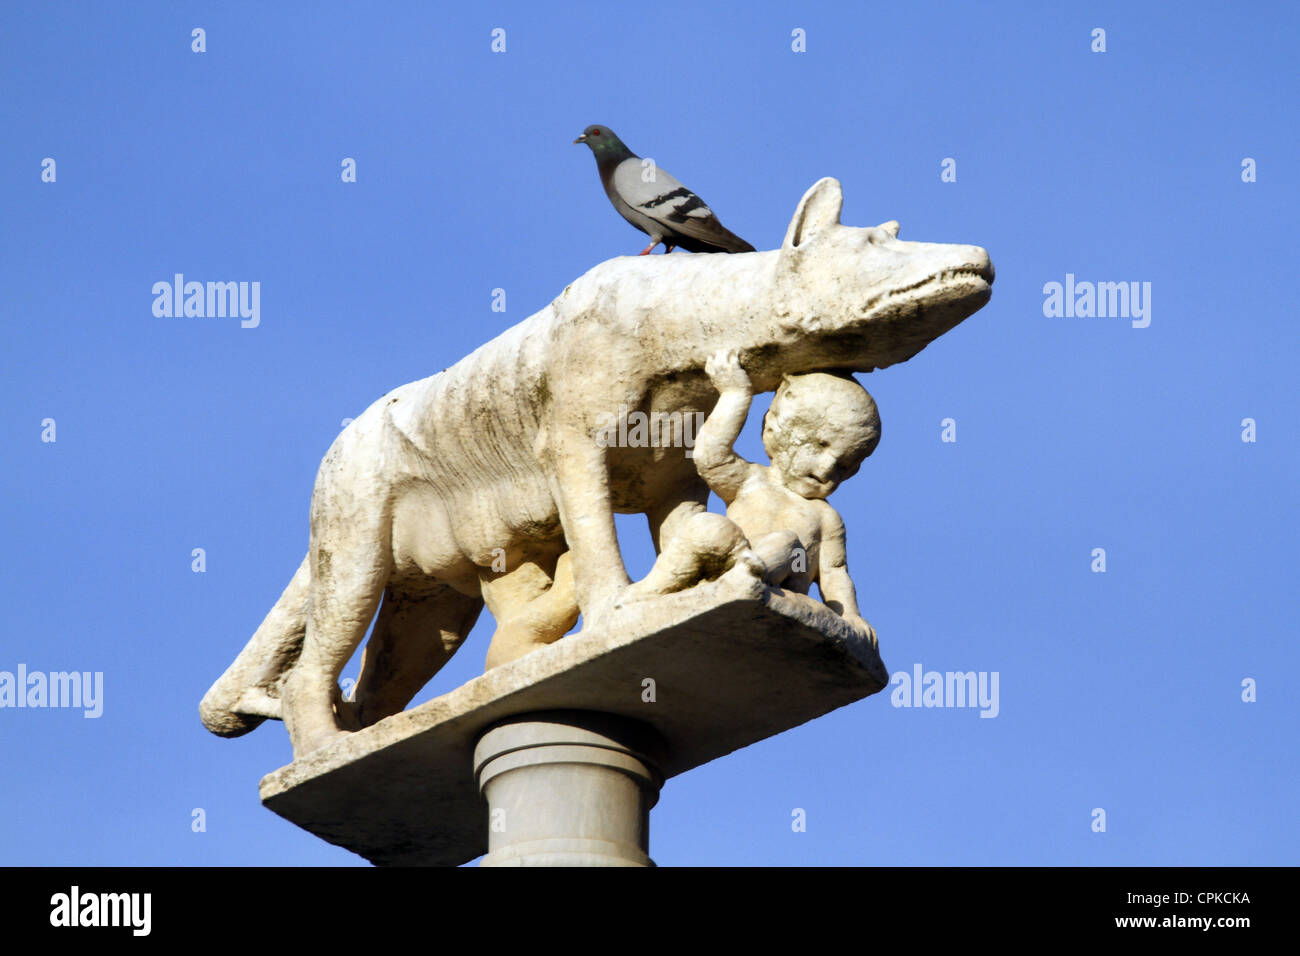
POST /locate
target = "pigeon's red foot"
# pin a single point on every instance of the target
(668, 247)
(646, 250)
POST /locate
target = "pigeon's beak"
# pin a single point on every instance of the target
(580, 139)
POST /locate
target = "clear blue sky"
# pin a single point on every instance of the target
(1118, 690)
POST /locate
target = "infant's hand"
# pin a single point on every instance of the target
(866, 630)
(725, 371)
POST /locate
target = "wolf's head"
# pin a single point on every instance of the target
(860, 298)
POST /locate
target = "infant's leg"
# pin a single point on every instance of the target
(702, 547)
(532, 607)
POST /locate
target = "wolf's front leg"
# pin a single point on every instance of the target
(580, 485)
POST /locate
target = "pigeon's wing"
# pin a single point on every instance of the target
(678, 210)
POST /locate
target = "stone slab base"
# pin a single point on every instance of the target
(732, 662)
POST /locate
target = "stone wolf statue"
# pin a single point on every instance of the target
(497, 462)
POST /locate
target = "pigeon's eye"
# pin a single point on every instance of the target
(595, 132)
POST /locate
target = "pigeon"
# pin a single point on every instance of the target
(663, 208)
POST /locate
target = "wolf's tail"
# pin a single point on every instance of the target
(249, 691)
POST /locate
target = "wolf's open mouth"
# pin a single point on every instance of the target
(984, 273)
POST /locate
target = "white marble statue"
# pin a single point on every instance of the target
(468, 487)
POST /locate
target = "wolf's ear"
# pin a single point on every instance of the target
(819, 209)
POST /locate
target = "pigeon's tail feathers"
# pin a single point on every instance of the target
(720, 239)
(737, 244)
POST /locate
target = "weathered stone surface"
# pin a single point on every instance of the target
(732, 662)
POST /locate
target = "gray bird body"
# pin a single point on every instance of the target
(661, 207)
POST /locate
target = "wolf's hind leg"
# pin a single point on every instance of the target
(419, 627)
(344, 596)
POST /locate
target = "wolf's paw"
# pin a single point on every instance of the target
(311, 717)
(866, 630)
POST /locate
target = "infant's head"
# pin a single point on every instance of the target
(820, 427)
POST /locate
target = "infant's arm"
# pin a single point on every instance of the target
(833, 578)
(715, 460)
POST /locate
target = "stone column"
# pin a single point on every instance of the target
(569, 788)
